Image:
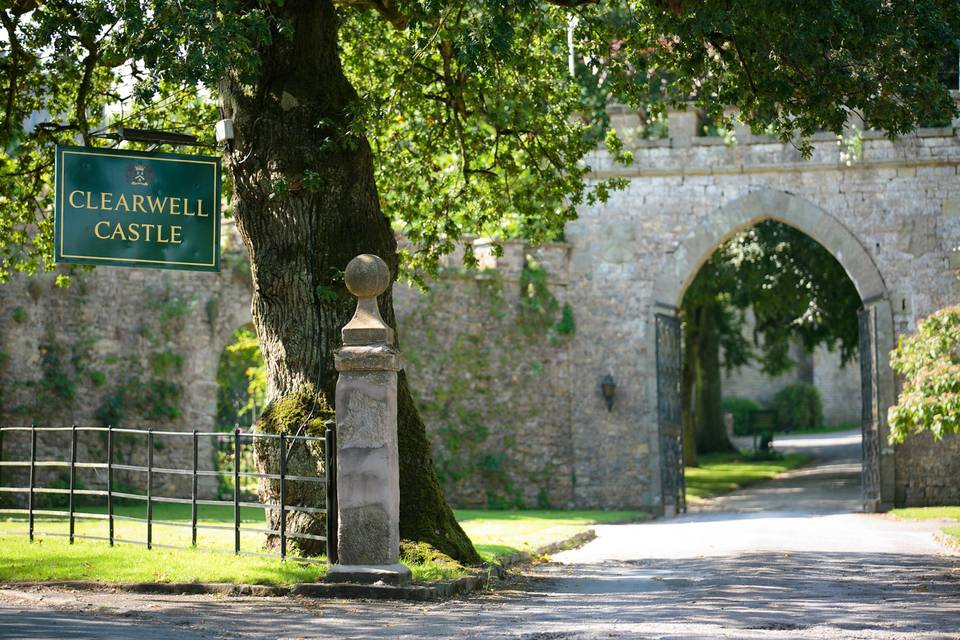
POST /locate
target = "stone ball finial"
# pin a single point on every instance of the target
(367, 276)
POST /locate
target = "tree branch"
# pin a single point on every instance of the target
(13, 75)
(89, 65)
(572, 4)
(383, 7)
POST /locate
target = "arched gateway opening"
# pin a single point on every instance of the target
(875, 330)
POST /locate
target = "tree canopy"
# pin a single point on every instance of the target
(929, 361)
(476, 123)
(795, 289)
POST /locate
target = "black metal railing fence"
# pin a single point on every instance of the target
(111, 494)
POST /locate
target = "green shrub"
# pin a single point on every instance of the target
(740, 408)
(798, 406)
(929, 361)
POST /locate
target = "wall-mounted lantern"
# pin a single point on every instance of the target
(608, 388)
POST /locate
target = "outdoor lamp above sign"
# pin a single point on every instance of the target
(138, 209)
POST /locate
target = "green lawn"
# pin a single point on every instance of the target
(52, 557)
(953, 532)
(720, 473)
(927, 513)
(207, 539)
(933, 513)
(56, 559)
(497, 533)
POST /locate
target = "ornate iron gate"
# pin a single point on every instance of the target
(870, 416)
(668, 413)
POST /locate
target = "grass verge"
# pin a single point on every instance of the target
(503, 533)
(952, 532)
(927, 513)
(55, 559)
(720, 473)
(51, 557)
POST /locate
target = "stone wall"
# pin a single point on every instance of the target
(838, 384)
(928, 472)
(891, 217)
(507, 362)
(135, 348)
(487, 357)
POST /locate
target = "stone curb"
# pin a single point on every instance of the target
(419, 593)
(523, 557)
(434, 591)
(950, 544)
(573, 542)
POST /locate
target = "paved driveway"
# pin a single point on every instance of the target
(788, 573)
(832, 485)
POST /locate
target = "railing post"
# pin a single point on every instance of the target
(330, 469)
(149, 489)
(283, 496)
(73, 478)
(110, 482)
(1, 456)
(33, 478)
(193, 493)
(236, 490)
(368, 481)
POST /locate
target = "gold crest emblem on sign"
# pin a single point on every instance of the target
(139, 174)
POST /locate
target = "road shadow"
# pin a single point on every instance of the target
(801, 595)
(786, 591)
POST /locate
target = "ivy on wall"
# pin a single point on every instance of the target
(63, 367)
(465, 406)
(145, 385)
(540, 314)
(151, 393)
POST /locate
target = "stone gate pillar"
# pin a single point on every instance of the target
(368, 467)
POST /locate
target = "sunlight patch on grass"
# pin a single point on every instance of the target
(56, 559)
(207, 539)
(827, 428)
(503, 533)
(953, 533)
(927, 513)
(933, 513)
(720, 473)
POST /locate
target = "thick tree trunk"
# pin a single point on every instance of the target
(703, 359)
(305, 204)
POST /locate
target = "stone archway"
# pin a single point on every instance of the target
(876, 325)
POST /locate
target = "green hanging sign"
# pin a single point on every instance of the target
(137, 209)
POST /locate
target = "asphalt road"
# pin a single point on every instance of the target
(751, 569)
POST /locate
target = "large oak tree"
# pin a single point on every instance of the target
(440, 118)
